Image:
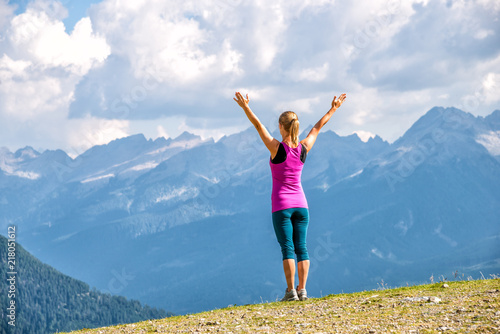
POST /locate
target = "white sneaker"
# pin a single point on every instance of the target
(302, 294)
(290, 295)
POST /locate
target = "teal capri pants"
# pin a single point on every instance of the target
(290, 226)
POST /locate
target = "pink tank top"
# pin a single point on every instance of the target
(287, 187)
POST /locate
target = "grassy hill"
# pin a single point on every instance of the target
(462, 306)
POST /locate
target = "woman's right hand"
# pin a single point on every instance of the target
(242, 102)
(336, 103)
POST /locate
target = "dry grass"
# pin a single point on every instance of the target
(464, 307)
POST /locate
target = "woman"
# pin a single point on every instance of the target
(289, 205)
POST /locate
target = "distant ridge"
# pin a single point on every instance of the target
(182, 213)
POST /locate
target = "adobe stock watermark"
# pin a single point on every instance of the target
(12, 265)
(227, 4)
(325, 249)
(416, 155)
(120, 108)
(372, 28)
(419, 153)
(223, 178)
(249, 150)
(119, 281)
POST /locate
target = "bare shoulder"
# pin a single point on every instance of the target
(273, 147)
(275, 144)
(305, 143)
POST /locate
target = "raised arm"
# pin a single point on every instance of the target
(271, 143)
(311, 137)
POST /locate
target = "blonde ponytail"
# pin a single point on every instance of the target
(290, 123)
(294, 131)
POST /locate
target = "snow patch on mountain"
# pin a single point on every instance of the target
(213, 180)
(355, 174)
(491, 141)
(65, 237)
(326, 186)
(377, 253)
(175, 193)
(27, 175)
(404, 149)
(97, 178)
(440, 234)
(8, 169)
(140, 167)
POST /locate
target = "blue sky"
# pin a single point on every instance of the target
(76, 10)
(74, 74)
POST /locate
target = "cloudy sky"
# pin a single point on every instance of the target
(78, 73)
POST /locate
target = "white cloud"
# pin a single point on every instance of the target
(431, 45)
(306, 105)
(372, 29)
(26, 92)
(155, 36)
(361, 117)
(40, 64)
(10, 68)
(482, 34)
(6, 12)
(316, 74)
(161, 132)
(485, 92)
(45, 42)
(207, 132)
(141, 61)
(491, 87)
(364, 135)
(84, 133)
(492, 5)
(200, 48)
(269, 24)
(231, 59)
(78, 52)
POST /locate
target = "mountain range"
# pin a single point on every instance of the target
(184, 224)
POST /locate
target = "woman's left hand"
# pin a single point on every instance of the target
(242, 102)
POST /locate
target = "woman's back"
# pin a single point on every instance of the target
(286, 172)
